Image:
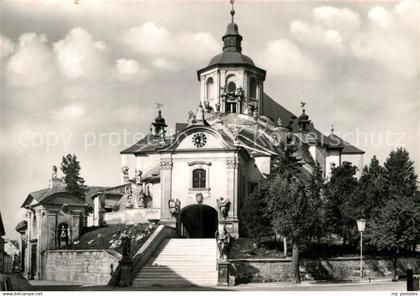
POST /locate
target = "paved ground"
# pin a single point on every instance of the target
(386, 285)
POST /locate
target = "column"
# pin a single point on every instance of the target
(166, 165)
(27, 267)
(38, 274)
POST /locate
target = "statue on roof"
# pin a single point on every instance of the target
(124, 170)
(54, 172)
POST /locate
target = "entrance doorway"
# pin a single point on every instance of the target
(197, 221)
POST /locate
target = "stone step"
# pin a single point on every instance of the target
(181, 262)
(176, 270)
(176, 275)
(172, 283)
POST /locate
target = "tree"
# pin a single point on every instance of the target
(315, 189)
(342, 201)
(400, 174)
(396, 226)
(372, 189)
(71, 169)
(395, 229)
(288, 204)
(254, 221)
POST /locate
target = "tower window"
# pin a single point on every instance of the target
(210, 89)
(253, 88)
(199, 178)
(231, 87)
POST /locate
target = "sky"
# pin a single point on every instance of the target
(84, 76)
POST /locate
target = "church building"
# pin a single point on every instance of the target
(197, 179)
(224, 151)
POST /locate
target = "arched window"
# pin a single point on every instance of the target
(199, 178)
(210, 89)
(231, 87)
(253, 88)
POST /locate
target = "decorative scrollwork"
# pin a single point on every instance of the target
(231, 164)
(166, 164)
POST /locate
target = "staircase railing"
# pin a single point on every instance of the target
(150, 246)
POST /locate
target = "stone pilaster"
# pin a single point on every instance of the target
(39, 246)
(166, 165)
(232, 170)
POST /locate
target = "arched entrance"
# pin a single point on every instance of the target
(197, 221)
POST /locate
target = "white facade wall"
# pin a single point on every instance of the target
(333, 158)
(217, 185)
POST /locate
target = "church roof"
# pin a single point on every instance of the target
(150, 143)
(231, 58)
(275, 111)
(152, 174)
(21, 226)
(347, 147)
(43, 194)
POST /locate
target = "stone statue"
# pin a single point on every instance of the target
(224, 206)
(223, 243)
(174, 207)
(126, 245)
(240, 92)
(236, 133)
(139, 173)
(54, 172)
(124, 170)
(64, 236)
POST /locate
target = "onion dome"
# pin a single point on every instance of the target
(303, 121)
(232, 50)
(159, 124)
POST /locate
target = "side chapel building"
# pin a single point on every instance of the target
(196, 179)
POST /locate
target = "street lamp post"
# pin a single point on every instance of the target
(361, 225)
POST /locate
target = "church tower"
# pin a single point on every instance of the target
(231, 83)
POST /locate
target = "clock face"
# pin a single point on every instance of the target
(199, 140)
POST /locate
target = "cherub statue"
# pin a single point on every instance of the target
(174, 207)
(224, 205)
(124, 170)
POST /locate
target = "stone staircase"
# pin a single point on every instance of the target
(180, 262)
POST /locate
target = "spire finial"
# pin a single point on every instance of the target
(332, 128)
(232, 11)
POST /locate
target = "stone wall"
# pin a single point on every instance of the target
(273, 270)
(132, 216)
(93, 267)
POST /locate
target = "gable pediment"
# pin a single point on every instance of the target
(199, 138)
(65, 198)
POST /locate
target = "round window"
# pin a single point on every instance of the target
(231, 87)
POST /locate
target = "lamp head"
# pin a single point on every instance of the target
(361, 225)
